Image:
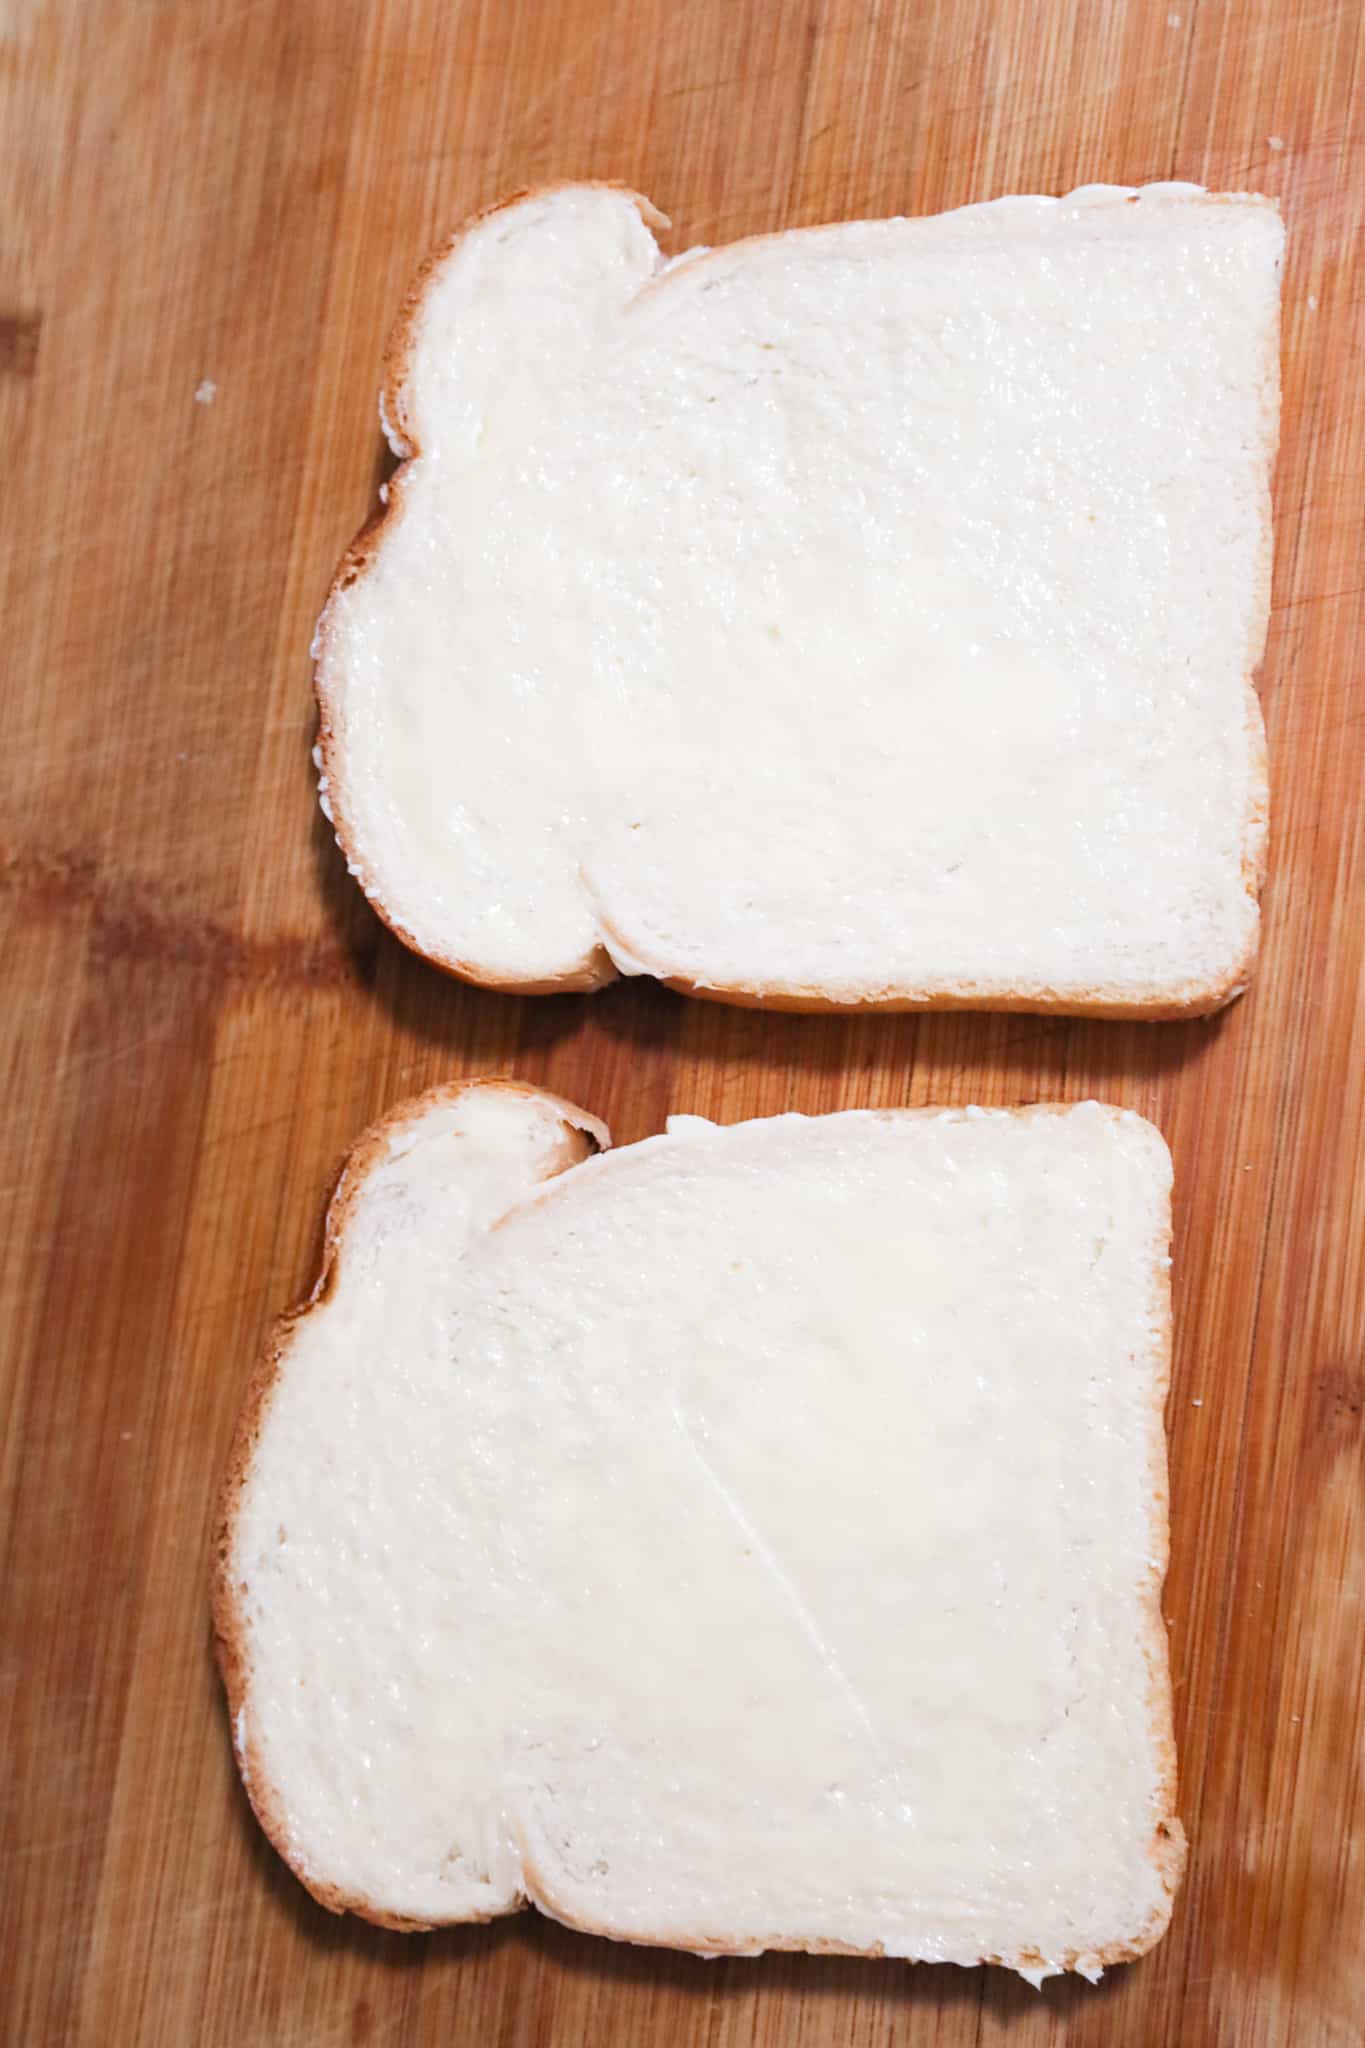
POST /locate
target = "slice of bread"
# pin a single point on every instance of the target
(752, 1538)
(861, 615)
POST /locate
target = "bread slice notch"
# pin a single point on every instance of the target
(856, 616)
(750, 1538)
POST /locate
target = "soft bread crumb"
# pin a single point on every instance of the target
(606, 1525)
(870, 611)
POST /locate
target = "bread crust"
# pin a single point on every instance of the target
(585, 1135)
(810, 1003)
(600, 966)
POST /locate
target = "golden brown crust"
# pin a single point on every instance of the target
(600, 967)
(1168, 1848)
(807, 1002)
(583, 1135)
(1090, 1961)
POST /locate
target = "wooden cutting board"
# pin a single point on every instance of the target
(211, 212)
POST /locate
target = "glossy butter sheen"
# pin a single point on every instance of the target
(753, 1535)
(859, 609)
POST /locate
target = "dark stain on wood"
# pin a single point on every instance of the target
(1341, 1398)
(129, 921)
(19, 337)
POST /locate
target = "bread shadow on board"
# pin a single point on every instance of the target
(477, 1026)
(548, 1948)
(1032, 1056)
(954, 1056)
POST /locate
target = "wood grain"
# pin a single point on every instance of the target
(201, 1012)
